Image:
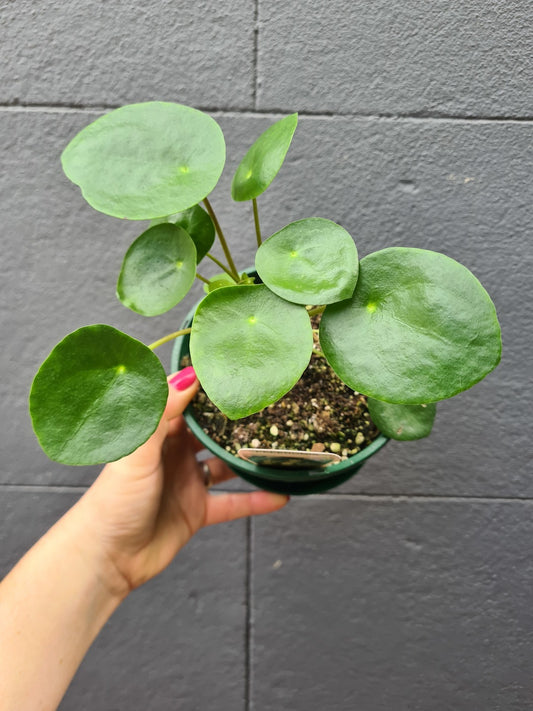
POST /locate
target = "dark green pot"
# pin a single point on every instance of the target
(283, 481)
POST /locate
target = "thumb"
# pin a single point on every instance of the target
(182, 388)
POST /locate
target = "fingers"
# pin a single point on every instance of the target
(194, 443)
(228, 507)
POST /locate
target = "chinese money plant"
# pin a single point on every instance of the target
(406, 327)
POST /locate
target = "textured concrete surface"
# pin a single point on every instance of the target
(111, 53)
(384, 604)
(410, 586)
(394, 57)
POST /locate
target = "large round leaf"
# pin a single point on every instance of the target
(97, 397)
(198, 225)
(146, 160)
(419, 328)
(311, 261)
(158, 270)
(249, 347)
(402, 422)
(263, 160)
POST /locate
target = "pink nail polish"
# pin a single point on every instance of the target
(184, 379)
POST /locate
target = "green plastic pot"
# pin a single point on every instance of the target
(277, 479)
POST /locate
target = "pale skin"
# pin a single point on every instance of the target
(124, 530)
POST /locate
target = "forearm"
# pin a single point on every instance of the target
(52, 606)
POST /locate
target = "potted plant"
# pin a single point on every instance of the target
(404, 327)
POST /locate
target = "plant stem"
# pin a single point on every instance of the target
(199, 276)
(318, 353)
(317, 310)
(170, 337)
(219, 263)
(256, 222)
(222, 239)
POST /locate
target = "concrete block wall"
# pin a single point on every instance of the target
(410, 587)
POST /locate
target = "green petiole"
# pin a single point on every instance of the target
(256, 222)
(169, 337)
(224, 244)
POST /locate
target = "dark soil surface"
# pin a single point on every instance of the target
(319, 414)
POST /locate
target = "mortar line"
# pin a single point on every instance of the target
(248, 617)
(53, 488)
(72, 489)
(45, 488)
(276, 113)
(422, 497)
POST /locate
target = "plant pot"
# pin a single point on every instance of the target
(277, 479)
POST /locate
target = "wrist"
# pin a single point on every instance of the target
(92, 553)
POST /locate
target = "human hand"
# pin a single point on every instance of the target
(143, 508)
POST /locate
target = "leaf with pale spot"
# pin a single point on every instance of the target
(146, 160)
(263, 160)
(249, 347)
(310, 261)
(419, 328)
(97, 397)
(158, 270)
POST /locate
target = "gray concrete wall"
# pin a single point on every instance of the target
(409, 588)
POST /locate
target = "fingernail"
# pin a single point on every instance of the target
(184, 379)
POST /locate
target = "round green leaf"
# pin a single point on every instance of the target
(311, 261)
(263, 160)
(402, 422)
(146, 160)
(198, 225)
(158, 270)
(419, 328)
(249, 347)
(97, 397)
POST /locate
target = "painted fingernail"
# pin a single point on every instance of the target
(184, 379)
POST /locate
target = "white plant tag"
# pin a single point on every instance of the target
(288, 458)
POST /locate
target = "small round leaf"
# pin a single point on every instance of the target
(263, 160)
(198, 225)
(146, 160)
(402, 422)
(219, 281)
(311, 261)
(249, 347)
(158, 270)
(419, 328)
(97, 397)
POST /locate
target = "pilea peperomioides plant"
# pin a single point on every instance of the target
(406, 327)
